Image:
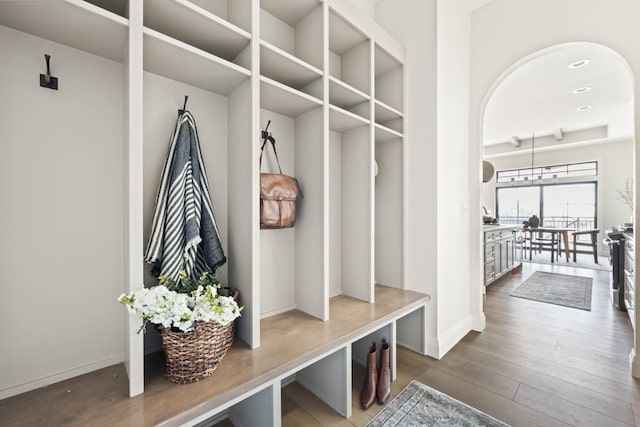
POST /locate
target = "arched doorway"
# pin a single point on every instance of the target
(609, 109)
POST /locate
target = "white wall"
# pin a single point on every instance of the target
(615, 166)
(438, 135)
(367, 6)
(505, 31)
(61, 222)
(413, 23)
(454, 290)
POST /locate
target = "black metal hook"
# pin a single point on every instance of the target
(266, 134)
(184, 107)
(47, 80)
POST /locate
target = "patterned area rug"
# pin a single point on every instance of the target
(559, 289)
(419, 405)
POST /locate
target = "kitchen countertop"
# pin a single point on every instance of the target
(494, 227)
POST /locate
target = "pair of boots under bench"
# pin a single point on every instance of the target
(377, 383)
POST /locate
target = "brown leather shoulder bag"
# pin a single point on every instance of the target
(278, 195)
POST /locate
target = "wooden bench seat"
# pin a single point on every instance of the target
(247, 383)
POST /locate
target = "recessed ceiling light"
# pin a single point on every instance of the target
(580, 63)
(584, 107)
(582, 89)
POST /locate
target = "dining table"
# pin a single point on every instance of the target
(555, 232)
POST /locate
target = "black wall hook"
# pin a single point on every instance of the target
(184, 107)
(47, 80)
(266, 134)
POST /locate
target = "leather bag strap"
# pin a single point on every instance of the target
(273, 144)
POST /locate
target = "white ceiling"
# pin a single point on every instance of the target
(539, 97)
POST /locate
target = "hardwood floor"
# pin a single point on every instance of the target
(536, 364)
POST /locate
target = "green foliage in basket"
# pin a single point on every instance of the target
(186, 285)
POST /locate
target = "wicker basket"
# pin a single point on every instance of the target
(193, 356)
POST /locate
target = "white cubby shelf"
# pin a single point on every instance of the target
(193, 25)
(331, 82)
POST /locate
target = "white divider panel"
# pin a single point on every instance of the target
(262, 409)
(243, 220)
(388, 214)
(133, 202)
(411, 331)
(330, 379)
(335, 213)
(312, 292)
(356, 214)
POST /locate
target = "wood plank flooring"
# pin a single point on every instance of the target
(536, 364)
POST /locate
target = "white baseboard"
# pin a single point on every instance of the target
(278, 311)
(479, 322)
(634, 363)
(410, 347)
(438, 346)
(60, 376)
(433, 347)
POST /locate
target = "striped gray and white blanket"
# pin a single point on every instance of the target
(184, 234)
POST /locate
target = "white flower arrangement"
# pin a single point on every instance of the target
(162, 305)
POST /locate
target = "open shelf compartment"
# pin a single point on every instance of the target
(389, 82)
(349, 57)
(73, 23)
(284, 100)
(342, 120)
(291, 41)
(389, 212)
(291, 277)
(350, 208)
(198, 27)
(389, 117)
(170, 58)
(285, 68)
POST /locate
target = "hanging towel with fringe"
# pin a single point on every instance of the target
(184, 234)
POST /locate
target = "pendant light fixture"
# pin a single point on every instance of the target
(487, 171)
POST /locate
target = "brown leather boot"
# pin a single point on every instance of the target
(368, 392)
(383, 391)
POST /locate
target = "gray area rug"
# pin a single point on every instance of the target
(559, 289)
(419, 405)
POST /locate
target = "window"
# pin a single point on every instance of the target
(557, 205)
(517, 204)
